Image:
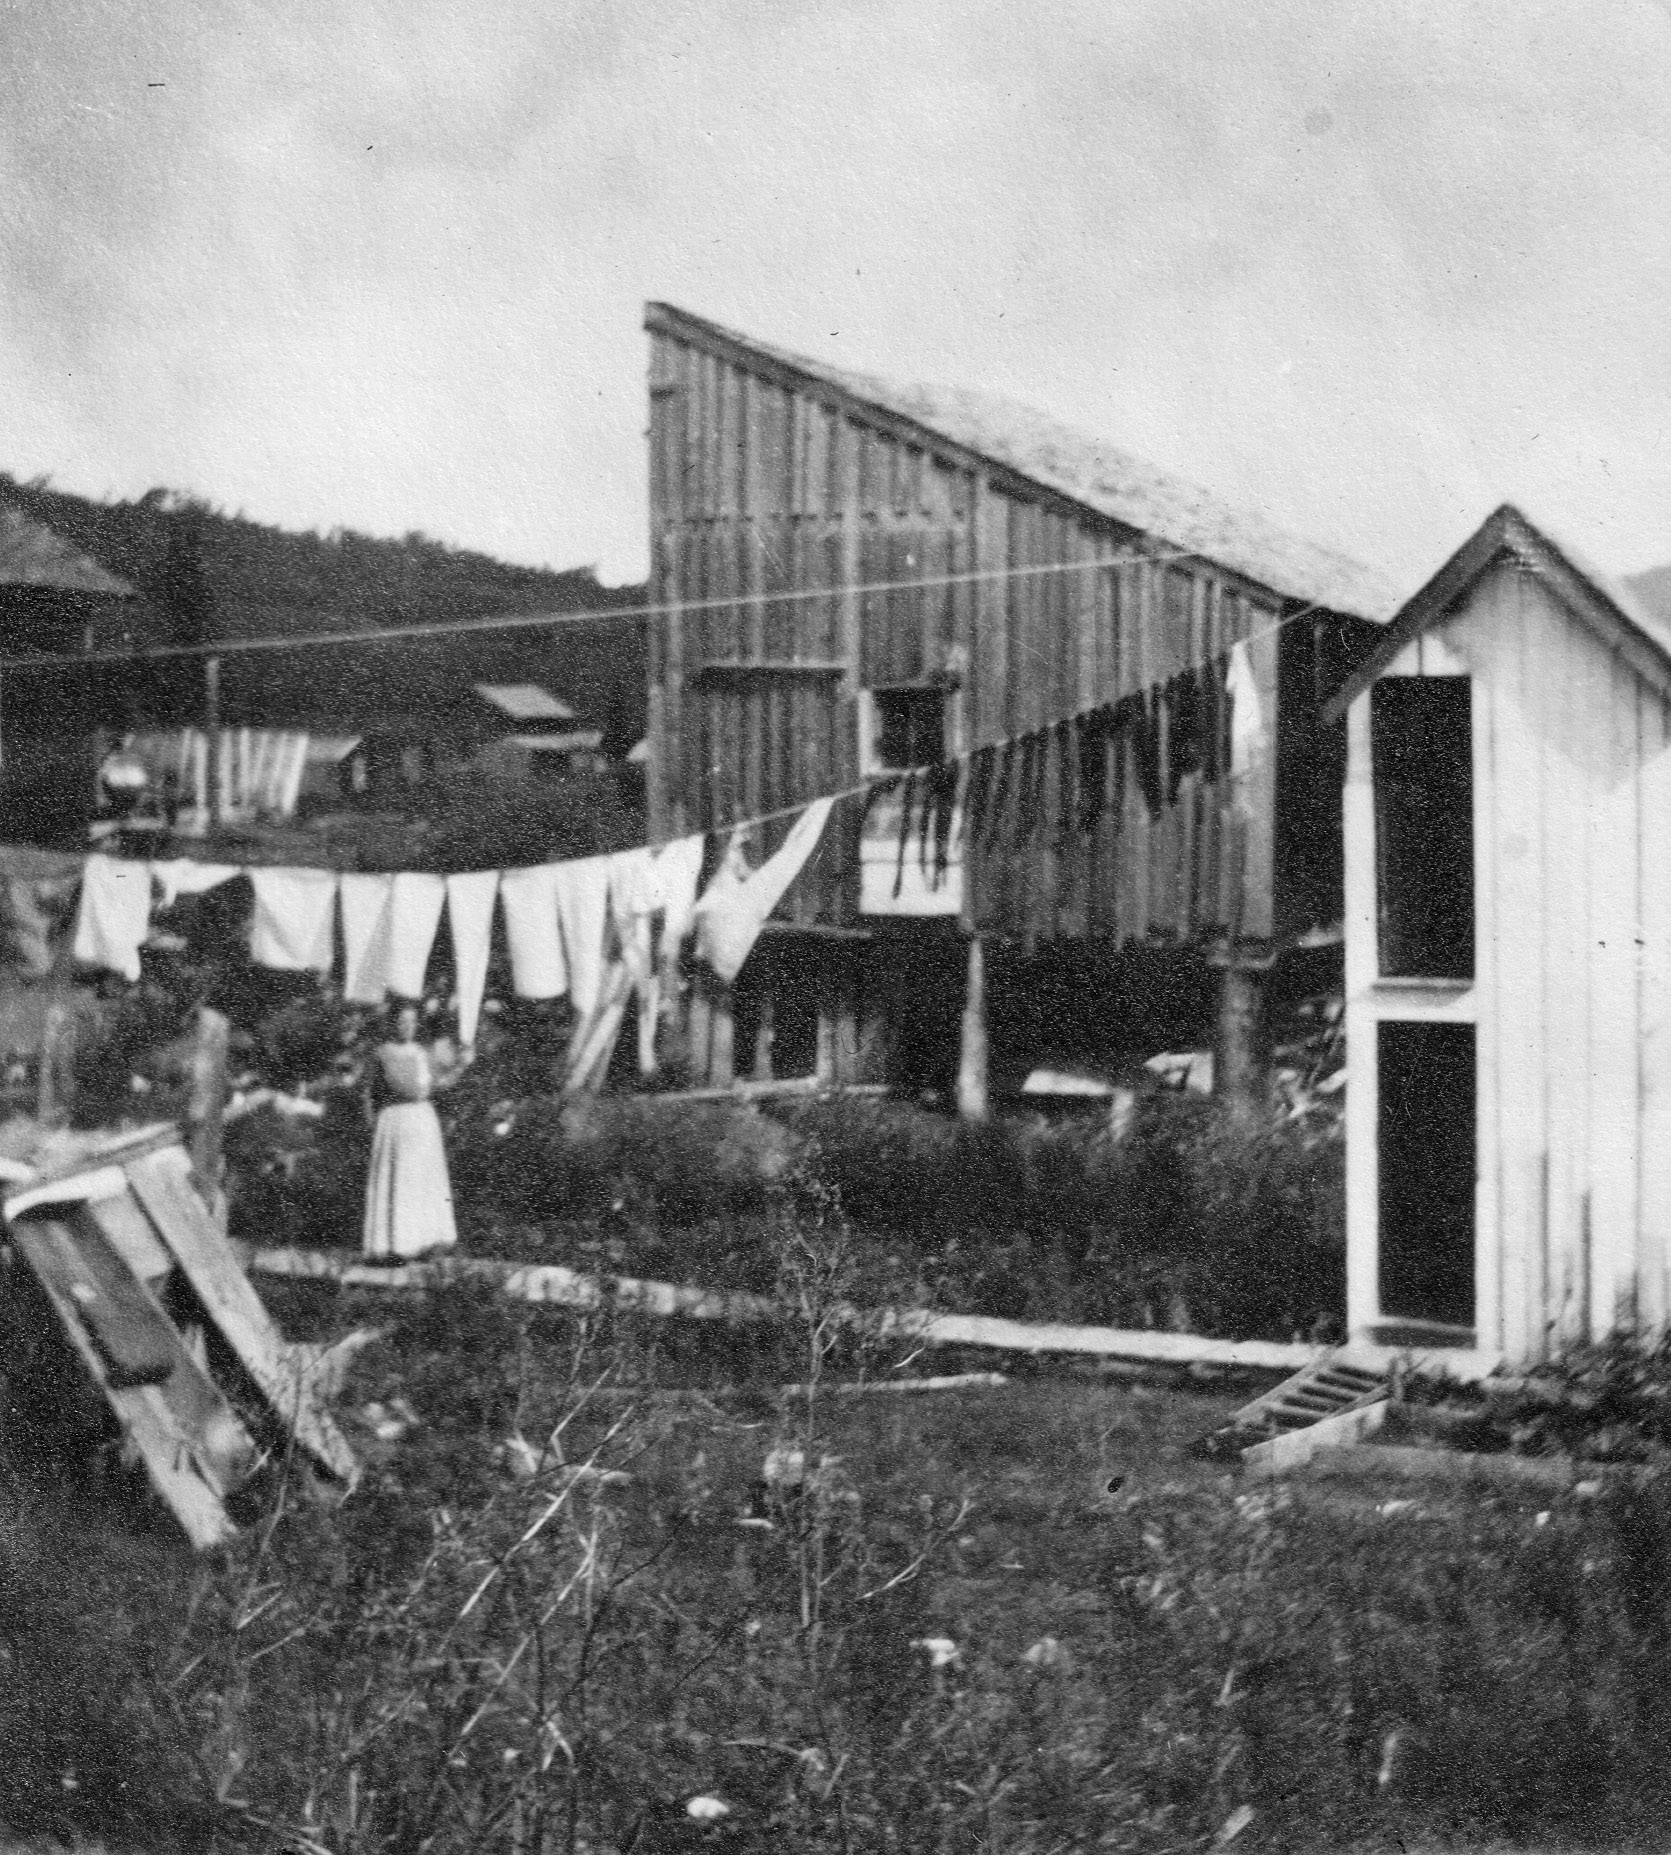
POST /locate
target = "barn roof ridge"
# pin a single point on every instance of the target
(1601, 598)
(1082, 468)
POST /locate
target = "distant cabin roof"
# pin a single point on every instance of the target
(1612, 608)
(525, 701)
(576, 740)
(32, 555)
(1086, 470)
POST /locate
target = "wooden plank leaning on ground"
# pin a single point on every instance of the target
(190, 1442)
(554, 1285)
(161, 1181)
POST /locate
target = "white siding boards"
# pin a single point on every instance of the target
(1570, 1000)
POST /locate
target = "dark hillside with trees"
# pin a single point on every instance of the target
(203, 574)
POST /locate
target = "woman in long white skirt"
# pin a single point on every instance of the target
(409, 1198)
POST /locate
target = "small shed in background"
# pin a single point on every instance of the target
(1508, 956)
(54, 597)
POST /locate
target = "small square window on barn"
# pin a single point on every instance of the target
(1422, 750)
(908, 727)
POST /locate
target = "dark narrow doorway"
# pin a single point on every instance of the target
(1421, 739)
(1426, 1137)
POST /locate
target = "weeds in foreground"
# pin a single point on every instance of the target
(562, 1616)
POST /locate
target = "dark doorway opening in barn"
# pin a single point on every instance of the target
(910, 727)
(1426, 1142)
(1422, 747)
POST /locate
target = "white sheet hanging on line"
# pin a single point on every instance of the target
(635, 894)
(177, 876)
(538, 969)
(582, 891)
(114, 915)
(1247, 719)
(732, 912)
(414, 915)
(678, 868)
(470, 922)
(291, 929)
(365, 938)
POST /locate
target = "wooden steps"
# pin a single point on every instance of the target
(1328, 1387)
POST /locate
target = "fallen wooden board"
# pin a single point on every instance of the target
(1408, 1463)
(161, 1181)
(951, 1381)
(553, 1284)
(652, 1394)
(130, 1234)
(131, 1334)
(187, 1437)
(1288, 1450)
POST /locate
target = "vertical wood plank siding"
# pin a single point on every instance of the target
(1572, 990)
(764, 488)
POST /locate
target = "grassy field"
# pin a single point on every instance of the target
(560, 1617)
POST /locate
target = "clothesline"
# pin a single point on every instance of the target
(583, 928)
(522, 621)
(892, 775)
(389, 921)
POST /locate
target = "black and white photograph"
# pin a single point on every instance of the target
(835, 927)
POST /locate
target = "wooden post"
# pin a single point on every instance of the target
(206, 1107)
(765, 1031)
(700, 1034)
(55, 1077)
(973, 1099)
(1239, 1067)
(211, 734)
(722, 1062)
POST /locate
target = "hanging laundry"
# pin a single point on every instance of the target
(414, 915)
(1059, 746)
(1247, 721)
(114, 916)
(1095, 732)
(635, 895)
(678, 868)
(291, 930)
(1001, 791)
(1185, 747)
(1142, 744)
(978, 794)
(1026, 790)
(470, 923)
(34, 910)
(538, 968)
(1214, 747)
(732, 912)
(939, 814)
(177, 876)
(907, 805)
(365, 938)
(582, 891)
(1039, 803)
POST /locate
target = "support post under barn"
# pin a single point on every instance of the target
(1240, 1066)
(974, 1101)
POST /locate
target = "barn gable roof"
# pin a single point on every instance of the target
(1608, 606)
(1085, 470)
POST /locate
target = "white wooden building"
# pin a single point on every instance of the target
(1508, 957)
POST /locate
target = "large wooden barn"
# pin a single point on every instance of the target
(1508, 957)
(858, 579)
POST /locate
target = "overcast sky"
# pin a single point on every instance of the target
(1371, 268)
